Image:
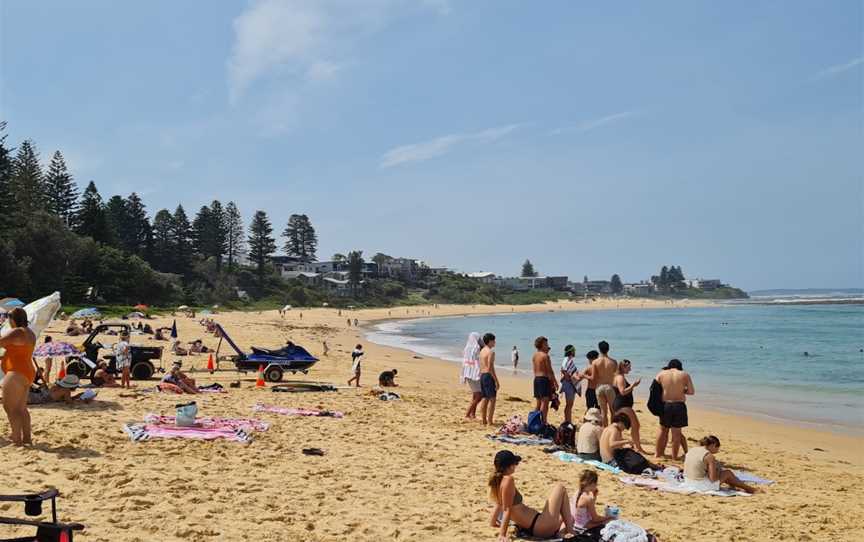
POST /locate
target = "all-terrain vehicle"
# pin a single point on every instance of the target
(144, 358)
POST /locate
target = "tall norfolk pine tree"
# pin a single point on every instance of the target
(261, 243)
(60, 190)
(27, 183)
(91, 220)
(6, 203)
(233, 234)
(300, 238)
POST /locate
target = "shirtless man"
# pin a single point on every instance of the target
(601, 373)
(590, 392)
(488, 379)
(545, 384)
(614, 448)
(677, 384)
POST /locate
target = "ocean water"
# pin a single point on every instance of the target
(743, 359)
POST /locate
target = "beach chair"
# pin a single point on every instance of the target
(46, 531)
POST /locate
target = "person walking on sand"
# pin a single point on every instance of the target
(349, 322)
(355, 366)
(471, 372)
(489, 384)
(677, 385)
(123, 359)
(19, 373)
(545, 385)
(590, 391)
(514, 357)
(624, 401)
(356, 322)
(602, 373)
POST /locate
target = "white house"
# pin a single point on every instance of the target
(483, 276)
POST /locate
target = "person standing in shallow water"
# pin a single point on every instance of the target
(19, 373)
(489, 384)
(514, 357)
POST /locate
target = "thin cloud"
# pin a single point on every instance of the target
(595, 123)
(840, 68)
(426, 150)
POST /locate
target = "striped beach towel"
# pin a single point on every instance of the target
(211, 423)
(139, 432)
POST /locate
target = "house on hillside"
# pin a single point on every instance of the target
(341, 288)
(406, 269)
(638, 289)
(307, 279)
(704, 284)
(483, 276)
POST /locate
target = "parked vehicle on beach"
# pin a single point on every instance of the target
(290, 358)
(144, 358)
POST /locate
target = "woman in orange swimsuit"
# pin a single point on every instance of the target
(17, 364)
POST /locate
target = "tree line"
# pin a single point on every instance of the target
(54, 237)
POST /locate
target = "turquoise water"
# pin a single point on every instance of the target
(742, 358)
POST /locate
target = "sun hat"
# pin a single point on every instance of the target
(69, 382)
(505, 459)
(593, 415)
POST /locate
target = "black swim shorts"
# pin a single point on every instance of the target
(591, 398)
(674, 415)
(542, 387)
(487, 386)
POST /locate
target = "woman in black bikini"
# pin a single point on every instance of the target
(509, 506)
(623, 401)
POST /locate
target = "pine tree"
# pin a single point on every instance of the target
(615, 284)
(202, 232)
(355, 268)
(163, 241)
(61, 190)
(119, 222)
(27, 182)
(261, 244)
(528, 269)
(219, 233)
(234, 234)
(140, 233)
(181, 240)
(6, 203)
(91, 220)
(301, 241)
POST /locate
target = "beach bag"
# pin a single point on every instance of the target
(655, 399)
(535, 422)
(186, 414)
(566, 435)
(548, 432)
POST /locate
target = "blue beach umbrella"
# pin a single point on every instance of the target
(86, 313)
(10, 303)
(174, 330)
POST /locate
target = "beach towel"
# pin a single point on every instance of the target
(211, 423)
(750, 478)
(620, 530)
(674, 486)
(471, 359)
(513, 426)
(260, 407)
(573, 458)
(521, 440)
(139, 432)
(212, 388)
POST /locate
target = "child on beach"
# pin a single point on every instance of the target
(355, 367)
(586, 515)
(569, 379)
(123, 359)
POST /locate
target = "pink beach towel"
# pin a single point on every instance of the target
(210, 423)
(297, 411)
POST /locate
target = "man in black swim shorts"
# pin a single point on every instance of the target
(590, 392)
(674, 414)
(545, 384)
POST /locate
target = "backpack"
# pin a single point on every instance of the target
(566, 435)
(549, 432)
(630, 461)
(655, 399)
(535, 422)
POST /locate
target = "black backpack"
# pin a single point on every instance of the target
(655, 398)
(566, 435)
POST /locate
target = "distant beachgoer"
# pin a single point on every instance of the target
(471, 372)
(388, 378)
(569, 388)
(702, 470)
(514, 357)
(123, 359)
(489, 384)
(326, 348)
(48, 363)
(614, 450)
(349, 322)
(545, 384)
(356, 323)
(588, 438)
(355, 366)
(586, 516)
(19, 373)
(624, 401)
(677, 385)
(301, 315)
(590, 391)
(510, 508)
(178, 350)
(102, 378)
(602, 373)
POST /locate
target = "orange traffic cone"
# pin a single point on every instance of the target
(62, 374)
(210, 364)
(260, 382)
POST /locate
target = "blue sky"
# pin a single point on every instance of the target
(591, 138)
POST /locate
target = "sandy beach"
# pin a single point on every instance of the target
(401, 470)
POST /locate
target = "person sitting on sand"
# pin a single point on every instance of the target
(624, 401)
(74, 330)
(60, 392)
(387, 379)
(102, 378)
(588, 438)
(178, 378)
(614, 450)
(509, 506)
(586, 516)
(147, 329)
(702, 470)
